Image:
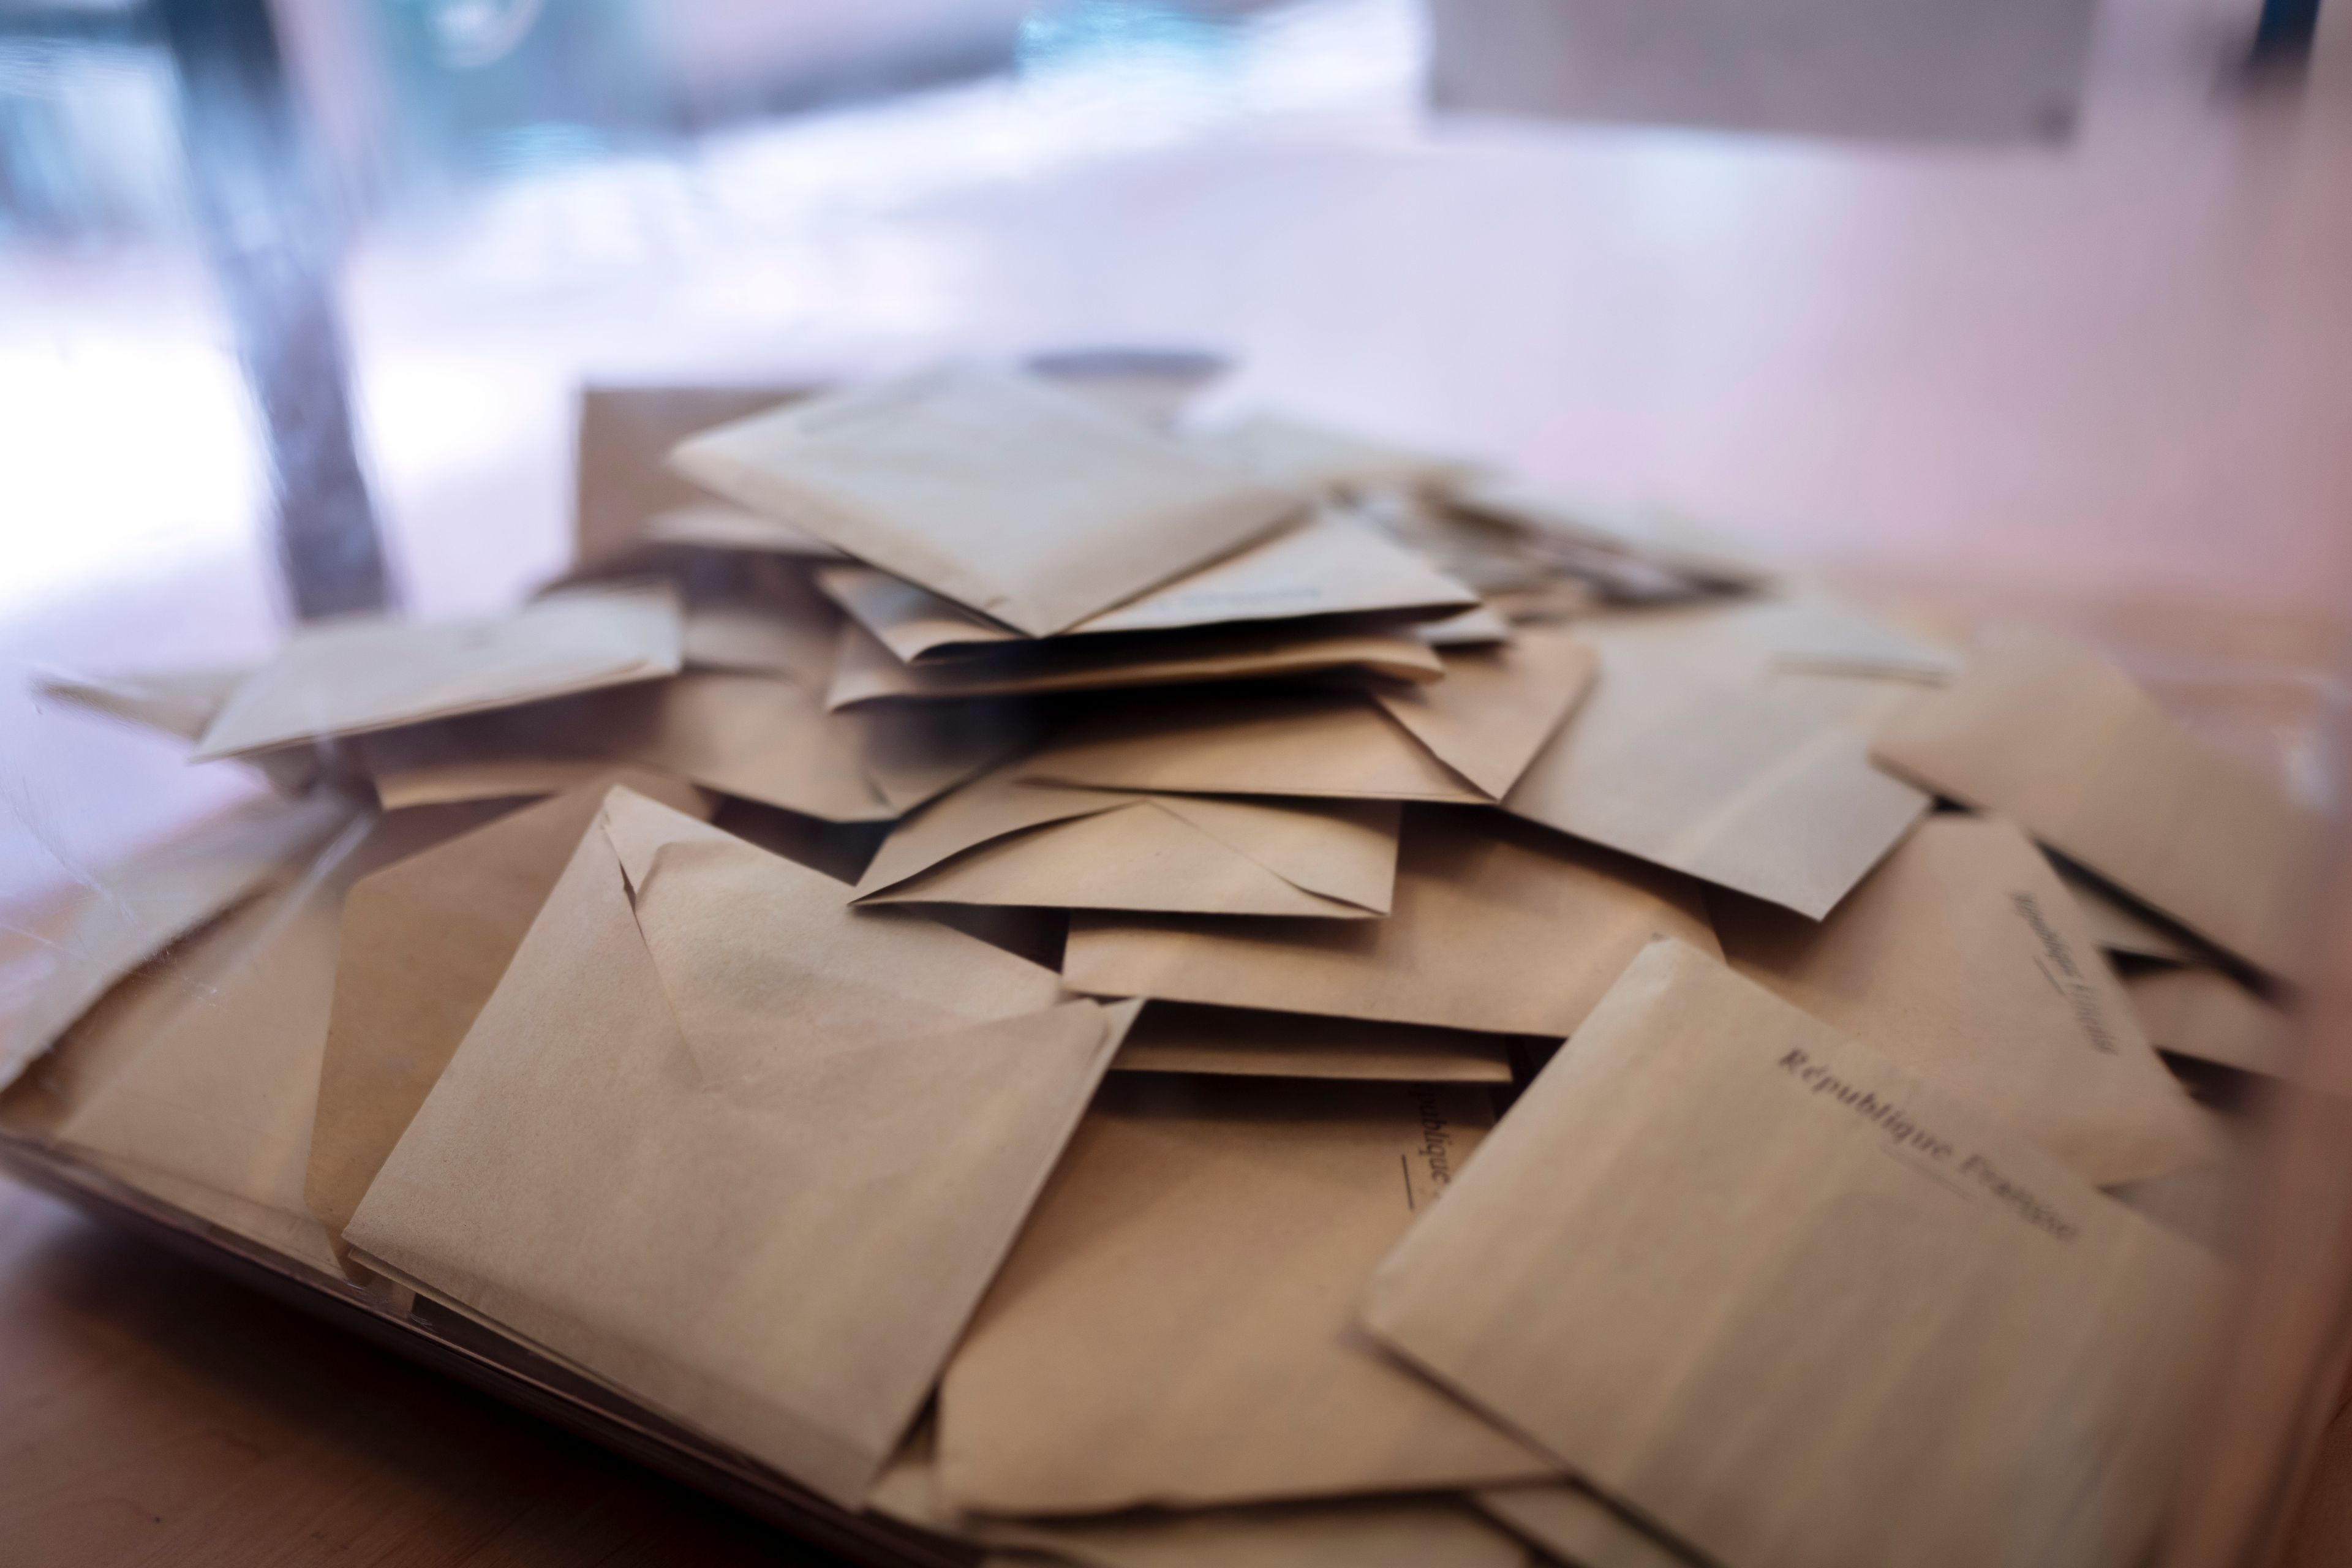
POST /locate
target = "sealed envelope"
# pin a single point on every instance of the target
(990, 489)
(350, 677)
(710, 1123)
(1173, 1327)
(1964, 958)
(1000, 841)
(1794, 1305)
(2054, 735)
(1253, 1042)
(1494, 926)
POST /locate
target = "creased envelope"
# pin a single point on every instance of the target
(424, 942)
(866, 672)
(2053, 734)
(1249, 1042)
(2202, 1013)
(207, 1102)
(711, 1123)
(763, 739)
(1358, 1532)
(1333, 564)
(1668, 761)
(1463, 739)
(1963, 958)
(137, 909)
(2122, 927)
(623, 436)
(1000, 841)
(1795, 1305)
(1172, 1329)
(1574, 1525)
(350, 677)
(1494, 926)
(990, 489)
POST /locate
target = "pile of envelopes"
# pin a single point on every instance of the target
(1010, 966)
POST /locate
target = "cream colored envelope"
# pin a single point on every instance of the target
(1363, 1533)
(424, 942)
(990, 489)
(209, 1106)
(787, 629)
(2050, 732)
(1495, 926)
(1000, 841)
(1248, 1042)
(179, 703)
(1792, 1303)
(720, 525)
(2121, 927)
(2204, 1013)
(1674, 761)
(866, 672)
(712, 1122)
(1963, 958)
(1310, 457)
(1172, 1329)
(350, 677)
(1332, 564)
(1796, 629)
(1463, 739)
(1575, 1525)
(134, 910)
(1661, 538)
(624, 433)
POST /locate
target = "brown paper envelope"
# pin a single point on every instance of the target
(1792, 1303)
(624, 435)
(1963, 958)
(181, 704)
(405, 784)
(710, 1124)
(915, 752)
(1718, 781)
(999, 841)
(2204, 1013)
(137, 909)
(763, 739)
(1356, 1533)
(1472, 629)
(1652, 534)
(990, 489)
(211, 1108)
(1310, 457)
(1327, 744)
(1494, 926)
(1330, 565)
(796, 643)
(1575, 1526)
(1797, 628)
(720, 525)
(2122, 927)
(1496, 707)
(351, 677)
(1180, 1037)
(1172, 1329)
(866, 672)
(2053, 734)
(424, 942)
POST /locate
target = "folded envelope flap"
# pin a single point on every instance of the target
(1496, 707)
(753, 949)
(988, 807)
(1344, 849)
(137, 909)
(755, 736)
(351, 677)
(915, 752)
(990, 489)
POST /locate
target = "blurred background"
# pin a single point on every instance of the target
(2021, 300)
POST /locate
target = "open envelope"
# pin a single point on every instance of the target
(348, 678)
(1494, 926)
(1465, 739)
(990, 489)
(624, 433)
(710, 1124)
(2054, 735)
(1173, 1327)
(866, 672)
(1000, 841)
(1833, 1298)
(1332, 564)
(1963, 957)
(1675, 758)
(1250, 1042)
(424, 942)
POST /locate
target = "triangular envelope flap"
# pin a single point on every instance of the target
(760, 738)
(1496, 707)
(986, 808)
(756, 951)
(992, 489)
(1341, 849)
(917, 752)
